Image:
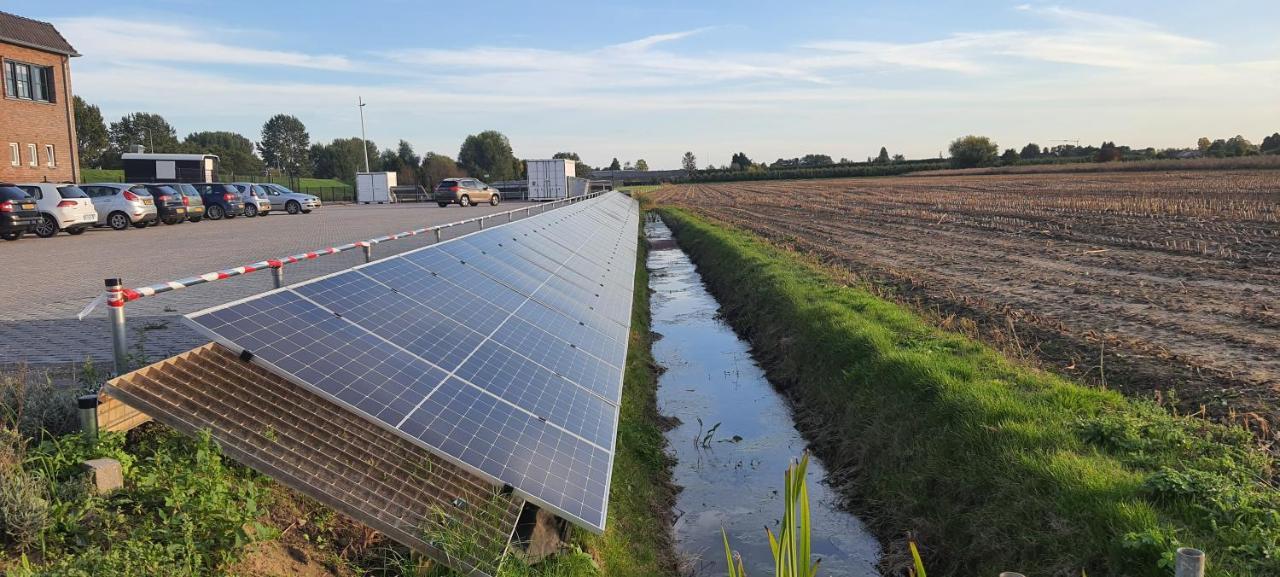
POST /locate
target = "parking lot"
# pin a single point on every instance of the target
(48, 281)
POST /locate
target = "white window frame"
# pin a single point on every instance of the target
(15, 158)
(33, 161)
(49, 156)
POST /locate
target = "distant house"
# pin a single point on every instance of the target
(37, 116)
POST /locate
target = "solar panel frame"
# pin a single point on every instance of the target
(581, 258)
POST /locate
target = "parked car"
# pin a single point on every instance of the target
(121, 205)
(220, 200)
(18, 212)
(62, 207)
(289, 201)
(191, 197)
(465, 192)
(255, 199)
(170, 204)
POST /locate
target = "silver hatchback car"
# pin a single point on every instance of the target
(289, 201)
(119, 205)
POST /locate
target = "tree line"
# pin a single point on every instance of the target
(285, 148)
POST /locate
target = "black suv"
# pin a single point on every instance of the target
(220, 200)
(18, 212)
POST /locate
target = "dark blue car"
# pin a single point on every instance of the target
(220, 200)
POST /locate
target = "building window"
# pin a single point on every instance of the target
(31, 155)
(48, 156)
(14, 159)
(28, 81)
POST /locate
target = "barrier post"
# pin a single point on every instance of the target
(482, 223)
(119, 334)
(438, 229)
(277, 275)
(368, 252)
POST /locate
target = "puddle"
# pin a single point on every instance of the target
(734, 480)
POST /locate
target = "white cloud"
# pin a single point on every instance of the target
(131, 41)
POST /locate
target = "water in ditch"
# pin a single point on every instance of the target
(733, 479)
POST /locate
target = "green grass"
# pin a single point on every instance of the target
(101, 175)
(637, 542)
(993, 466)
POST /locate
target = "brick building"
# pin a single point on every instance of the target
(37, 115)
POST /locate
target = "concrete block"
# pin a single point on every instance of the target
(105, 475)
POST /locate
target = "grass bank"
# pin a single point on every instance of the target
(638, 541)
(993, 466)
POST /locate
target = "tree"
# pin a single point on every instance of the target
(810, 160)
(899, 158)
(1109, 153)
(1010, 156)
(437, 167)
(883, 158)
(1271, 144)
(1031, 150)
(235, 152)
(1203, 144)
(741, 160)
(642, 165)
(343, 158)
(628, 166)
(91, 133)
(488, 155)
(150, 130)
(614, 165)
(1240, 146)
(969, 151)
(285, 145)
(689, 163)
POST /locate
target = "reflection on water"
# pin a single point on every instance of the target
(736, 435)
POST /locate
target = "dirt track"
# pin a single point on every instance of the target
(1158, 284)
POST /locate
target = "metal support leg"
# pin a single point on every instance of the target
(482, 223)
(368, 252)
(277, 276)
(119, 332)
(438, 234)
(510, 216)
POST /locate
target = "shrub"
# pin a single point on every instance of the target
(35, 407)
(24, 511)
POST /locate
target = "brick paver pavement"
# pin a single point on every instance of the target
(46, 282)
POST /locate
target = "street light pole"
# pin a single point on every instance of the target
(364, 144)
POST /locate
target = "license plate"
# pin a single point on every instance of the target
(146, 201)
(28, 207)
(91, 217)
(196, 210)
(181, 211)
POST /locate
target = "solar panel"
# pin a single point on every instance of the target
(501, 351)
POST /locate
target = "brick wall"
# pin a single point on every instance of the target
(40, 123)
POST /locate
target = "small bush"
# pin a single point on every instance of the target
(35, 407)
(24, 511)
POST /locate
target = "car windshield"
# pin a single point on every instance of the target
(163, 190)
(188, 190)
(282, 189)
(260, 190)
(13, 193)
(71, 192)
(140, 191)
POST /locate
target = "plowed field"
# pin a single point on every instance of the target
(1164, 285)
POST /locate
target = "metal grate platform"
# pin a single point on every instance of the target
(325, 452)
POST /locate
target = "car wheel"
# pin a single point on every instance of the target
(11, 235)
(215, 212)
(47, 227)
(142, 224)
(306, 212)
(442, 204)
(292, 207)
(464, 201)
(118, 221)
(250, 211)
(196, 219)
(494, 200)
(76, 231)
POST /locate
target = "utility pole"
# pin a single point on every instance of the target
(364, 144)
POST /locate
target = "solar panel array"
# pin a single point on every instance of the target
(501, 351)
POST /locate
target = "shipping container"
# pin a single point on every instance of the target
(145, 167)
(549, 179)
(374, 186)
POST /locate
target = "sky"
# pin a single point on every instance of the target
(657, 78)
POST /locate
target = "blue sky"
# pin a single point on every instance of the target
(653, 79)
